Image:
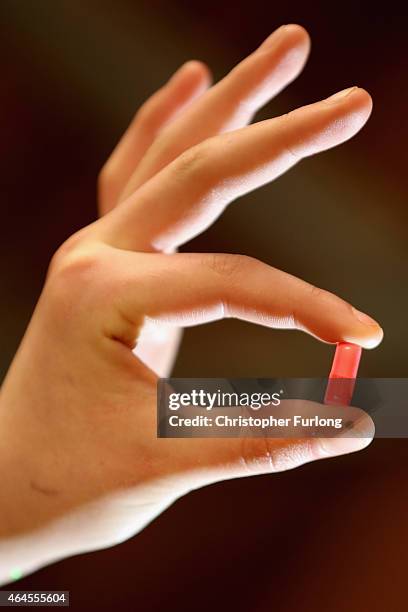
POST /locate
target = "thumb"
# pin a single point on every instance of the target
(209, 460)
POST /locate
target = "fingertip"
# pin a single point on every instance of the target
(332, 121)
(197, 69)
(297, 34)
(367, 340)
(351, 100)
(358, 437)
(333, 447)
(360, 102)
(370, 333)
(191, 80)
(192, 75)
(331, 319)
(364, 96)
(292, 35)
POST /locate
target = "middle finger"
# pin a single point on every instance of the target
(232, 102)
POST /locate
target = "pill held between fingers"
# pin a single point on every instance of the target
(342, 375)
(346, 360)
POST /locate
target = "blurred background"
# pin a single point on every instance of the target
(330, 535)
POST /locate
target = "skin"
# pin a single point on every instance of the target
(78, 406)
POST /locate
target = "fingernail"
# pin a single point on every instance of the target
(332, 447)
(364, 318)
(367, 339)
(350, 441)
(340, 95)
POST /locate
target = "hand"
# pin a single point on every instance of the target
(78, 406)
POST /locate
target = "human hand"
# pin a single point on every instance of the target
(77, 408)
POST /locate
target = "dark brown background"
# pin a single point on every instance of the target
(331, 535)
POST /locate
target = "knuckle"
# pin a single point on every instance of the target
(288, 138)
(196, 161)
(65, 252)
(74, 271)
(324, 296)
(262, 455)
(308, 294)
(229, 265)
(257, 455)
(316, 292)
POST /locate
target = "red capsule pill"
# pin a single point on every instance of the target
(346, 360)
(343, 374)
